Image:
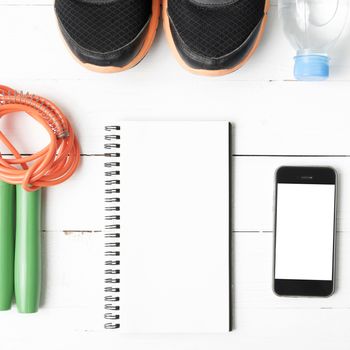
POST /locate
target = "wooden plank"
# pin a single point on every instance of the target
(78, 203)
(275, 118)
(270, 329)
(272, 61)
(72, 294)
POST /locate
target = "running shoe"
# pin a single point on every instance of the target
(108, 35)
(214, 37)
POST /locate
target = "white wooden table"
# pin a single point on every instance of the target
(277, 121)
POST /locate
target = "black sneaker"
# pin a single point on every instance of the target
(108, 35)
(214, 37)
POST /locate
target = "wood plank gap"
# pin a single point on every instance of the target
(81, 232)
(325, 308)
(233, 155)
(69, 232)
(292, 155)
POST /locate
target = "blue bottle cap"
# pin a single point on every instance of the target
(311, 67)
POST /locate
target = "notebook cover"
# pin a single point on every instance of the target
(168, 227)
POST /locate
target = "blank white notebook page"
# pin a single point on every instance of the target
(174, 236)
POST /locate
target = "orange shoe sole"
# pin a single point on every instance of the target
(215, 73)
(149, 39)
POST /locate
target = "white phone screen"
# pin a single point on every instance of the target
(304, 231)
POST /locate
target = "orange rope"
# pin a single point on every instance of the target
(53, 164)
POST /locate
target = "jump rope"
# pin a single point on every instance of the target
(20, 205)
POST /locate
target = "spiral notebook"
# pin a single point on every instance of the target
(167, 233)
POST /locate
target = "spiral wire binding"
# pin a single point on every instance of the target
(112, 227)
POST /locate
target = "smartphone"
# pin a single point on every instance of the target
(305, 220)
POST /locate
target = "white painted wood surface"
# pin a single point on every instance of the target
(276, 121)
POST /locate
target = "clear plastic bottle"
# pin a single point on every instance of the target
(313, 27)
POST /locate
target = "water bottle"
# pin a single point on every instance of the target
(313, 27)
